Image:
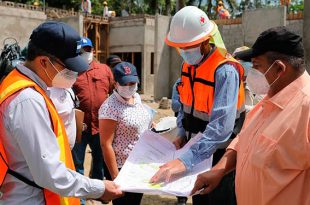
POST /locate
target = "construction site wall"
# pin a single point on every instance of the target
(19, 23)
(140, 39)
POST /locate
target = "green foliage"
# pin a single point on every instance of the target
(296, 6)
(167, 7)
(97, 6)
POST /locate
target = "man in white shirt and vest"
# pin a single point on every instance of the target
(36, 162)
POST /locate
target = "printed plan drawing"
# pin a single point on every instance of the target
(151, 151)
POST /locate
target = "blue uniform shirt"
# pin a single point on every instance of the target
(222, 118)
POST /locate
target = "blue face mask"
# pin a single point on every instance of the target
(191, 56)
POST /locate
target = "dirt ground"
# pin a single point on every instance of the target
(147, 199)
(160, 113)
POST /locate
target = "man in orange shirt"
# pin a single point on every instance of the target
(271, 154)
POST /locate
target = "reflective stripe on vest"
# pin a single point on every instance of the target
(13, 83)
(198, 84)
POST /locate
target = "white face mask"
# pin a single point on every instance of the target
(64, 79)
(88, 57)
(127, 91)
(191, 56)
(257, 81)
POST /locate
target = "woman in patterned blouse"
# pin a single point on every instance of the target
(122, 119)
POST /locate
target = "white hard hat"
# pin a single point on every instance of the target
(167, 127)
(189, 26)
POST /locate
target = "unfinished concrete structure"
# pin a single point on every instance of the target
(133, 38)
(18, 20)
(137, 38)
(140, 39)
(95, 28)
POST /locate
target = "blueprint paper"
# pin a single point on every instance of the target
(151, 151)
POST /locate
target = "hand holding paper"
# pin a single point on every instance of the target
(150, 153)
(169, 171)
(112, 191)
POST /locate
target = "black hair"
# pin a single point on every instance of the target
(33, 51)
(298, 63)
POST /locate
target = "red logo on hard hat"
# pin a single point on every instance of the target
(202, 20)
(127, 70)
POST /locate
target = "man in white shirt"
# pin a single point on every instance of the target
(63, 99)
(105, 9)
(34, 150)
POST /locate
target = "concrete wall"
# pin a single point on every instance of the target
(148, 49)
(256, 21)
(121, 39)
(76, 22)
(19, 23)
(127, 35)
(232, 36)
(162, 58)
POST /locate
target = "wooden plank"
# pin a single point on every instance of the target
(97, 39)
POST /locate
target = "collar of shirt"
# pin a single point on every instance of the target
(282, 98)
(33, 76)
(137, 99)
(92, 66)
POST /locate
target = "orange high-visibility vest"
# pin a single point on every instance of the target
(12, 84)
(197, 90)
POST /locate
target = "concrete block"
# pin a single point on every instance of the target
(165, 103)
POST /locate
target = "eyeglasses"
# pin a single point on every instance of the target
(57, 61)
(69, 74)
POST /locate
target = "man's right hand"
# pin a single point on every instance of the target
(179, 142)
(207, 181)
(112, 191)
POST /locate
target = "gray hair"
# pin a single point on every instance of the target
(297, 63)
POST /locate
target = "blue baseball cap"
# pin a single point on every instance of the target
(61, 41)
(86, 42)
(124, 73)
